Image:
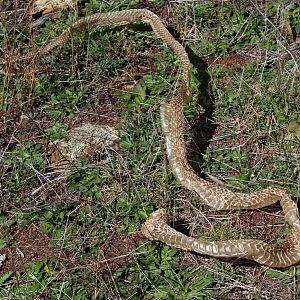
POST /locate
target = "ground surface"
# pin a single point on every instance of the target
(69, 229)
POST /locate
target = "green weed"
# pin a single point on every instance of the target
(25, 164)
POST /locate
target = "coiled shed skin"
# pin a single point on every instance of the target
(281, 254)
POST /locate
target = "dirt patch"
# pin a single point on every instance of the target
(115, 253)
(29, 245)
(232, 61)
(259, 225)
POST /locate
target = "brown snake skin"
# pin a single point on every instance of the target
(282, 254)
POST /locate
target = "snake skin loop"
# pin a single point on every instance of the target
(282, 254)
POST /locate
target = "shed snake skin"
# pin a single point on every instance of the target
(281, 254)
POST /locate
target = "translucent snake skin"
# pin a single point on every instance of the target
(282, 254)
